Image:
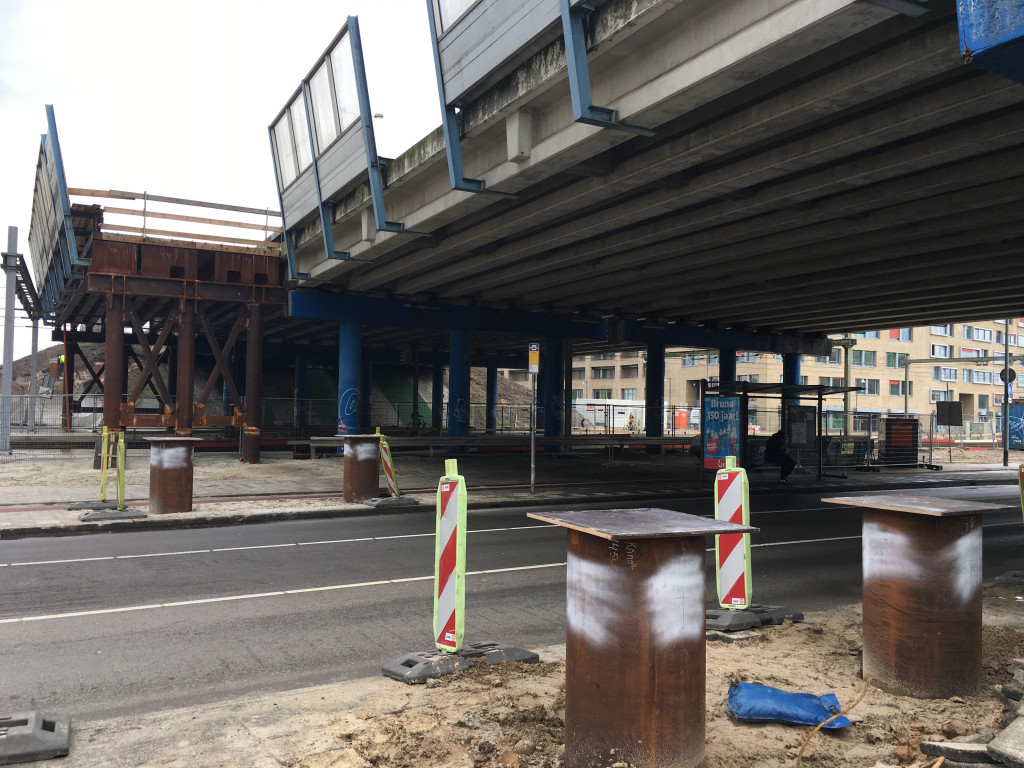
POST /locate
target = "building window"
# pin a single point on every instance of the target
(944, 374)
(603, 356)
(862, 357)
(972, 352)
(942, 330)
(997, 401)
(939, 395)
(830, 381)
(941, 350)
(867, 386)
(832, 359)
(606, 372)
(713, 381)
(577, 394)
(896, 388)
(746, 357)
(982, 402)
(630, 372)
(977, 377)
(579, 374)
(690, 360)
(1001, 338)
(895, 359)
(752, 378)
(977, 334)
(867, 335)
(631, 354)
(713, 359)
(629, 393)
(901, 334)
(602, 394)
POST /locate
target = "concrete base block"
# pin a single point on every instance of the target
(418, 667)
(111, 514)
(976, 754)
(1010, 579)
(754, 617)
(1008, 746)
(389, 502)
(29, 736)
(77, 505)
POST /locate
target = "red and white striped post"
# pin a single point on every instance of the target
(450, 560)
(732, 550)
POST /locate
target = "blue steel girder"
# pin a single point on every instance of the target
(583, 110)
(289, 241)
(67, 230)
(334, 307)
(324, 207)
(450, 125)
(992, 36)
(373, 161)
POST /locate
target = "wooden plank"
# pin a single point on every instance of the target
(190, 219)
(641, 523)
(915, 505)
(271, 250)
(169, 233)
(115, 194)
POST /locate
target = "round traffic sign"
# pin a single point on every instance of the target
(1007, 375)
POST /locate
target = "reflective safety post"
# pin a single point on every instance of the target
(389, 467)
(732, 550)
(1020, 484)
(450, 560)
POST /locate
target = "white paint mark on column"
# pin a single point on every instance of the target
(170, 457)
(365, 451)
(892, 555)
(594, 599)
(675, 600)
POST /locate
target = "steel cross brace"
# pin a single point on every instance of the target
(583, 110)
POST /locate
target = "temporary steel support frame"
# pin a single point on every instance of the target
(583, 110)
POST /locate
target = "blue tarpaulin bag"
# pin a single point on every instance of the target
(762, 703)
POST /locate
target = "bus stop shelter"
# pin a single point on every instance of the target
(726, 428)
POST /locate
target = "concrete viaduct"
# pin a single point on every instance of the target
(652, 173)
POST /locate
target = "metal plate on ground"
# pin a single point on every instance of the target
(111, 514)
(389, 502)
(415, 668)
(29, 736)
(77, 505)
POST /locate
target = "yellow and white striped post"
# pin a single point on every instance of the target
(450, 560)
(389, 466)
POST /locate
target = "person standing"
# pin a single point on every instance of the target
(775, 453)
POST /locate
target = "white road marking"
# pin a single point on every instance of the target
(268, 546)
(255, 595)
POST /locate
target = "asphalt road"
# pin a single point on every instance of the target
(108, 624)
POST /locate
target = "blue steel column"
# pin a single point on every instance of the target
(300, 418)
(492, 397)
(350, 360)
(366, 401)
(437, 395)
(458, 384)
(790, 377)
(654, 395)
(726, 366)
(554, 390)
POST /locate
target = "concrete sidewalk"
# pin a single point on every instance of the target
(281, 488)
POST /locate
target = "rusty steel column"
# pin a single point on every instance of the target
(185, 380)
(635, 652)
(170, 474)
(253, 386)
(361, 468)
(114, 360)
(922, 603)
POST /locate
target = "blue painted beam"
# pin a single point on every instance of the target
(992, 35)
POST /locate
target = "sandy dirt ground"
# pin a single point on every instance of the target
(512, 714)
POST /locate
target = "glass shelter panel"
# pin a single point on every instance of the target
(450, 10)
(345, 92)
(300, 133)
(324, 119)
(285, 150)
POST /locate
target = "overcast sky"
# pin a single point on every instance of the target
(175, 98)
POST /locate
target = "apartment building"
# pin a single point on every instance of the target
(945, 370)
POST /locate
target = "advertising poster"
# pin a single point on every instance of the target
(721, 430)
